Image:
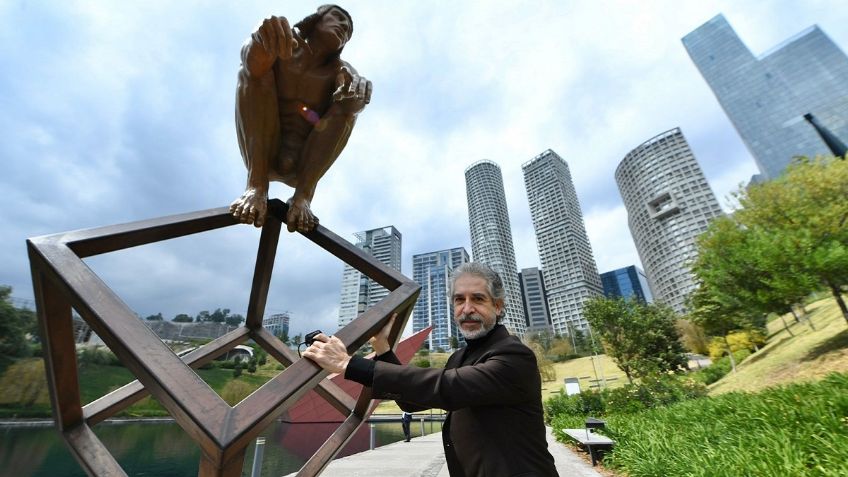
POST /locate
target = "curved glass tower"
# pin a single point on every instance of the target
(669, 203)
(491, 235)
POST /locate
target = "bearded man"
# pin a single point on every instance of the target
(491, 388)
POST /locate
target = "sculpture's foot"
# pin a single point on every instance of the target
(251, 207)
(300, 217)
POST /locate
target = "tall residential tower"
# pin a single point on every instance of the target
(491, 235)
(669, 204)
(571, 277)
(766, 96)
(358, 291)
(434, 306)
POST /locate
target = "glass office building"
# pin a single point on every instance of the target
(568, 266)
(766, 96)
(358, 291)
(628, 282)
(434, 306)
(669, 203)
(491, 235)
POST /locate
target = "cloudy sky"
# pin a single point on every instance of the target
(114, 112)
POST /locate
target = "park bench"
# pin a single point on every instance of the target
(588, 439)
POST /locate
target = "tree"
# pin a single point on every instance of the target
(183, 318)
(639, 337)
(234, 320)
(807, 207)
(156, 317)
(202, 316)
(13, 327)
(219, 315)
(454, 343)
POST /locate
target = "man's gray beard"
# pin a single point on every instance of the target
(479, 333)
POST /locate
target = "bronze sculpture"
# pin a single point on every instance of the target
(296, 105)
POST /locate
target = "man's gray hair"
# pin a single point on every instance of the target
(494, 284)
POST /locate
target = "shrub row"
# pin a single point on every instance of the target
(798, 430)
(651, 392)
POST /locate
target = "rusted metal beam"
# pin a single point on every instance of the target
(327, 389)
(265, 256)
(57, 331)
(92, 455)
(198, 409)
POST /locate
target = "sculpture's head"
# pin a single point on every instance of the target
(333, 22)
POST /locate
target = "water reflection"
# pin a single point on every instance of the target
(165, 450)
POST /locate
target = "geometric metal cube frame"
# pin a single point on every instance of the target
(61, 281)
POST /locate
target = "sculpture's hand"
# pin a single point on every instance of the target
(380, 341)
(353, 92)
(276, 37)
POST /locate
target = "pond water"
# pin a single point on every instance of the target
(165, 450)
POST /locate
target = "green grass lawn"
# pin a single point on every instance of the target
(807, 356)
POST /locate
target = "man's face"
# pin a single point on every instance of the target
(474, 310)
(335, 27)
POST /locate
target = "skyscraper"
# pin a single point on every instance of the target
(434, 306)
(571, 277)
(535, 303)
(766, 96)
(277, 324)
(627, 282)
(358, 291)
(669, 203)
(491, 235)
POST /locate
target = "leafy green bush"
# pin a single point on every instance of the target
(719, 368)
(97, 355)
(797, 430)
(649, 393)
(421, 362)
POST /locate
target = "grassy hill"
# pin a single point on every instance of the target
(807, 356)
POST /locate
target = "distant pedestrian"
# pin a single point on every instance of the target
(405, 421)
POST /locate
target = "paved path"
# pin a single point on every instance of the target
(424, 457)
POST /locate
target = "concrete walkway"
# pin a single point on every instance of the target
(424, 457)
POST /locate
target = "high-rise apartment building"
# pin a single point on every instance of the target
(571, 276)
(533, 297)
(434, 306)
(766, 96)
(277, 324)
(358, 291)
(491, 235)
(669, 203)
(628, 282)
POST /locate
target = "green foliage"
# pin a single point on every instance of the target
(692, 336)
(788, 238)
(235, 391)
(15, 323)
(639, 337)
(156, 317)
(237, 368)
(251, 365)
(797, 430)
(97, 355)
(421, 362)
(651, 392)
(719, 368)
(183, 318)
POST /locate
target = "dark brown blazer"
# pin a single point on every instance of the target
(492, 392)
